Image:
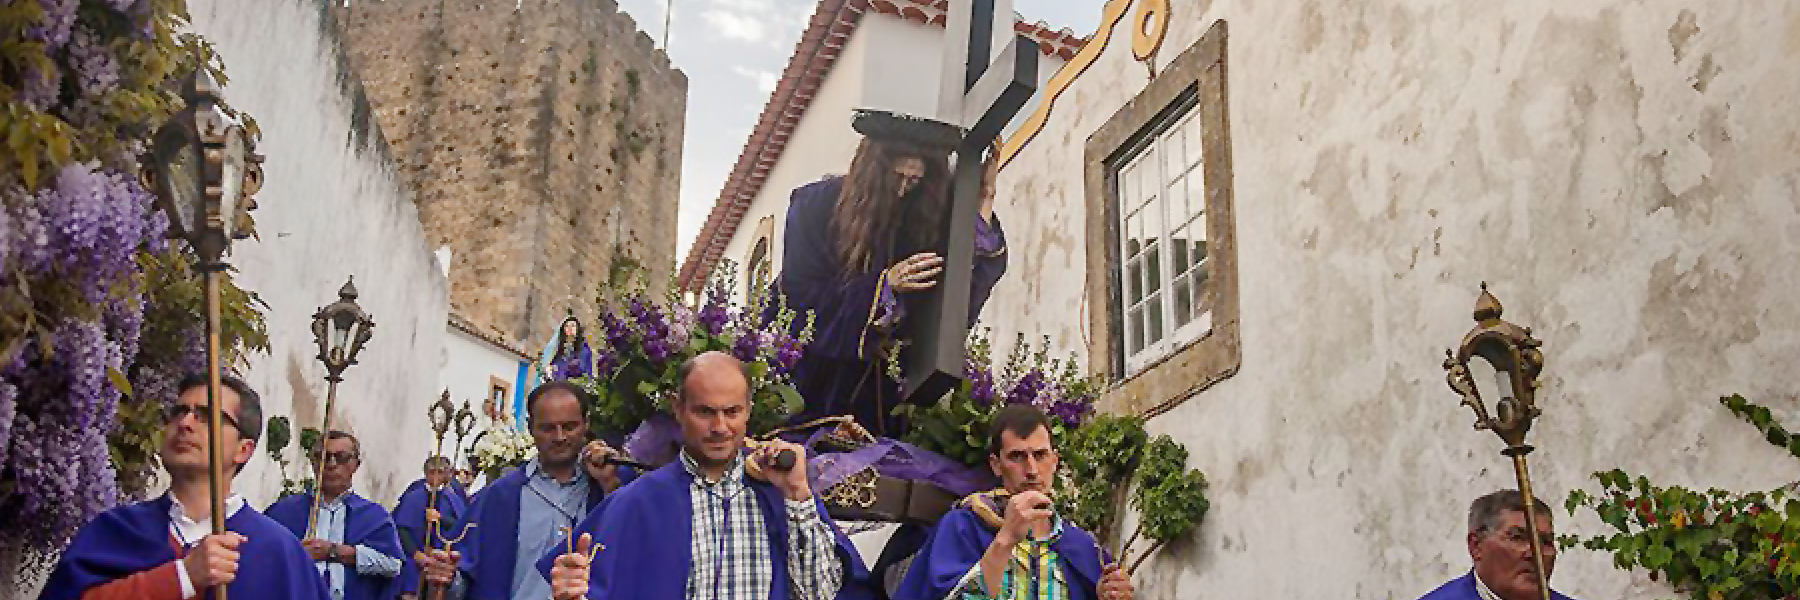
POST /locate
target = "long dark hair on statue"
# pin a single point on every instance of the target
(569, 344)
(872, 216)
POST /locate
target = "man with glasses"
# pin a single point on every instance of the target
(517, 518)
(164, 549)
(1009, 543)
(354, 541)
(1500, 546)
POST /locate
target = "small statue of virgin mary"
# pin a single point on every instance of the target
(567, 356)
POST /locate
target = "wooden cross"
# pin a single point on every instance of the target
(982, 98)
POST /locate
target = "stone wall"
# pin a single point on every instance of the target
(1624, 176)
(543, 142)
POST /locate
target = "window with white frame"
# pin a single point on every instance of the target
(1163, 263)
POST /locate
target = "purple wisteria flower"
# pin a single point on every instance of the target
(96, 69)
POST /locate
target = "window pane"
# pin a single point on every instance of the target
(1150, 220)
(1153, 269)
(1153, 313)
(1127, 188)
(1191, 136)
(1178, 254)
(1196, 188)
(1197, 281)
(1184, 301)
(1146, 175)
(1134, 331)
(1134, 283)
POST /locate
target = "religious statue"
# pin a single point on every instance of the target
(861, 247)
(567, 356)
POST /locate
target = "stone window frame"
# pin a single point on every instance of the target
(1195, 81)
(504, 387)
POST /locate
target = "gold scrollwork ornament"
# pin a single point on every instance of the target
(1148, 28)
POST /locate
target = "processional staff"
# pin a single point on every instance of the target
(340, 328)
(204, 170)
(443, 416)
(1516, 361)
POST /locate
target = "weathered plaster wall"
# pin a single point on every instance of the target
(333, 208)
(1624, 176)
(543, 142)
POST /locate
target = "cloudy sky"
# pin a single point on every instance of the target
(733, 51)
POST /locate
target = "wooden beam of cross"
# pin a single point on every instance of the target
(982, 98)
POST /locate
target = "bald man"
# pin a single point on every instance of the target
(703, 527)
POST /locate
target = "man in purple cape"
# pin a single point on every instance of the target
(857, 251)
(410, 517)
(157, 550)
(1500, 546)
(972, 553)
(518, 517)
(719, 524)
(353, 540)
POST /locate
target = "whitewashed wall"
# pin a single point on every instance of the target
(1624, 175)
(470, 364)
(332, 208)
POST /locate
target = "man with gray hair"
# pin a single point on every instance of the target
(1500, 546)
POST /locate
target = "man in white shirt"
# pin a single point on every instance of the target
(354, 540)
(1500, 546)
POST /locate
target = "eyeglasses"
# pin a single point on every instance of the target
(1518, 538)
(340, 458)
(201, 412)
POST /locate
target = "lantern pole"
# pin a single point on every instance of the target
(204, 171)
(335, 325)
(1514, 353)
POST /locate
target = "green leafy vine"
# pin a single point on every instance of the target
(1712, 545)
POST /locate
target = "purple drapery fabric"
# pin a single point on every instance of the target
(657, 441)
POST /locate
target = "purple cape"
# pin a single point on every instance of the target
(135, 538)
(960, 538)
(841, 371)
(409, 517)
(367, 525)
(647, 527)
(1463, 588)
(488, 551)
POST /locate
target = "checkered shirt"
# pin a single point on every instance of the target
(731, 556)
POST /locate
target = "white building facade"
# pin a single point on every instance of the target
(875, 54)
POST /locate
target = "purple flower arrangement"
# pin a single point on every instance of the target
(1028, 376)
(644, 340)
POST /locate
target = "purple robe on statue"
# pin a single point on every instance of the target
(842, 371)
(1463, 588)
(366, 525)
(646, 529)
(578, 363)
(135, 538)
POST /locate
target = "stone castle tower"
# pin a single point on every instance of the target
(543, 144)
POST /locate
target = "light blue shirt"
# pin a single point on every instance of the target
(546, 508)
(333, 516)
